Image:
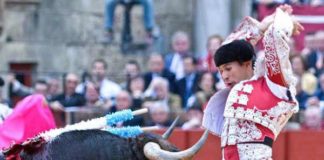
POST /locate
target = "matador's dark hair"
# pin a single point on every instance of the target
(238, 50)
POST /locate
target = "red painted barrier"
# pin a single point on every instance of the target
(298, 145)
(178, 138)
(305, 145)
(210, 150)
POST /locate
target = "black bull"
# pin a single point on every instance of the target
(98, 144)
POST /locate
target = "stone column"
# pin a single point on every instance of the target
(211, 17)
(2, 7)
(240, 9)
(217, 17)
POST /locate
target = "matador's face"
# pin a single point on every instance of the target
(234, 72)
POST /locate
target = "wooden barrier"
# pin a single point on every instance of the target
(279, 147)
(210, 150)
(305, 145)
(297, 145)
(178, 137)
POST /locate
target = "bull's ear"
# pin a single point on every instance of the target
(166, 145)
(148, 137)
(140, 138)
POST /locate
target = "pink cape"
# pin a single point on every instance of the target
(30, 117)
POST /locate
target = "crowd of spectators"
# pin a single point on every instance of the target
(295, 2)
(167, 93)
(174, 84)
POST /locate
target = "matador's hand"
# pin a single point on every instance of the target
(297, 26)
(265, 23)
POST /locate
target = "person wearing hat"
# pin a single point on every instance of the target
(249, 114)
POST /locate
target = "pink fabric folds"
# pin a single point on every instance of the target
(30, 117)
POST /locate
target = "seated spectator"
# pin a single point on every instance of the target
(147, 104)
(208, 64)
(136, 89)
(160, 115)
(194, 117)
(320, 91)
(124, 101)
(312, 101)
(69, 98)
(301, 95)
(272, 1)
(181, 46)
(41, 87)
(54, 87)
(18, 89)
(92, 98)
(110, 6)
(313, 119)
(213, 43)
(206, 88)
(132, 69)
(314, 54)
(157, 69)
(159, 91)
(308, 80)
(187, 86)
(315, 2)
(107, 88)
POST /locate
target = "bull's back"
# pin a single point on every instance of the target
(85, 145)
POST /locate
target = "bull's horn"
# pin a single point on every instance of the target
(153, 151)
(167, 133)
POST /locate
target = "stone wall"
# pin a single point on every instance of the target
(64, 35)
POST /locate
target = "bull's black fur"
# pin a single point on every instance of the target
(96, 144)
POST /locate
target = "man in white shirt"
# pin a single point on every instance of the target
(107, 88)
(181, 46)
